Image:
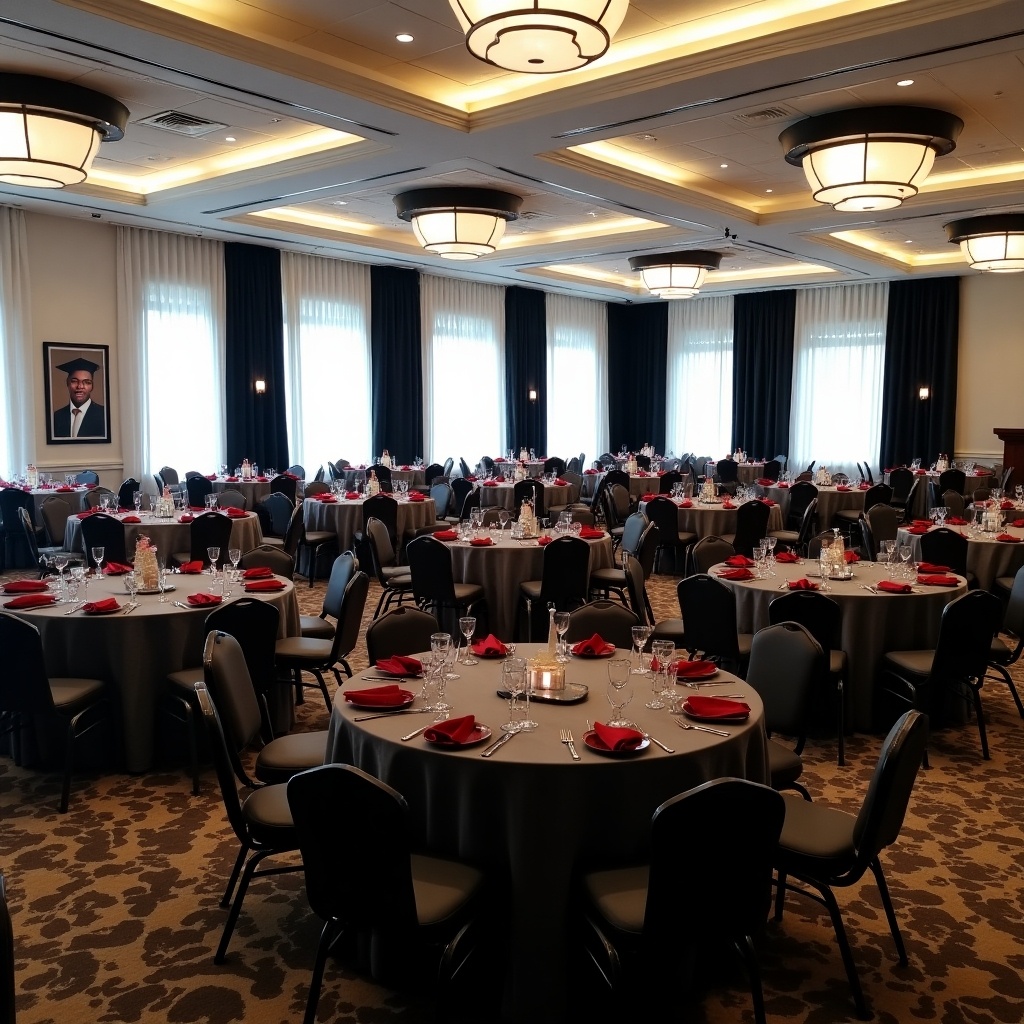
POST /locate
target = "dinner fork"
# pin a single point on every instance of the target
(701, 728)
(566, 737)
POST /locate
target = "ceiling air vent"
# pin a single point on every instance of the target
(765, 116)
(182, 124)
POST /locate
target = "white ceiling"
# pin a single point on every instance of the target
(330, 117)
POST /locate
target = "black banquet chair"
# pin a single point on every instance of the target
(708, 610)
(565, 582)
(197, 488)
(433, 582)
(102, 530)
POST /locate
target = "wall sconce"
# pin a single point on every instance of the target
(260, 386)
(532, 394)
(924, 393)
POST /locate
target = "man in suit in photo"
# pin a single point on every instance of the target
(81, 417)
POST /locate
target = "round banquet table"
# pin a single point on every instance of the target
(252, 490)
(714, 521)
(873, 623)
(413, 477)
(649, 483)
(169, 535)
(750, 472)
(500, 495)
(136, 652)
(75, 498)
(500, 567)
(830, 501)
(531, 815)
(987, 557)
(923, 497)
(345, 517)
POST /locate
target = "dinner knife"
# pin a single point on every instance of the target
(391, 714)
(389, 679)
(494, 746)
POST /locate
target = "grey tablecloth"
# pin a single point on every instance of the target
(75, 498)
(715, 521)
(531, 814)
(252, 490)
(346, 517)
(987, 557)
(136, 652)
(830, 501)
(922, 499)
(500, 495)
(638, 485)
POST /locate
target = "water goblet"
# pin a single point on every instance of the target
(60, 561)
(641, 634)
(905, 552)
(1019, 491)
(213, 553)
(561, 628)
(441, 645)
(467, 624)
(513, 682)
(620, 691)
(137, 501)
(656, 703)
(131, 584)
(889, 546)
(161, 581)
(235, 556)
(98, 553)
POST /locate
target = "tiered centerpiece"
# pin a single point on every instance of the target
(708, 492)
(147, 572)
(164, 508)
(528, 520)
(546, 673)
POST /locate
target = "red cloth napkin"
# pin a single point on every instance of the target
(492, 647)
(1008, 538)
(262, 479)
(590, 472)
(931, 567)
(201, 599)
(783, 484)
(843, 487)
(736, 574)
(863, 486)
(197, 508)
(326, 499)
(559, 482)
(920, 472)
(937, 580)
(922, 522)
(30, 601)
(212, 476)
(446, 535)
(192, 568)
(892, 587)
(728, 504)
(768, 502)
(481, 542)
(406, 469)
(1005, 506)
(642, 472)
(787, 556)
(131, 519)
(472, 479)
(117, 569)
(88, 512)
(957, 521)
(594, 647)
(802, 584)
(686, 503)
(289, 476)
(688, 669)
(415, 496)
(104, 607)
(544, 541)
(400, 665)
(186, 517)
(387, 696)
(591, 533)
(490, 483)
(260, 586)
(64, 488)
(851, 557)
(617, 739)
(1017, 522)
(234, 513)
(716, 707)
(739, 560)
(917, 531)
(766, 482)
(258, 572)
(26, 587)
(351, 495)
(451, 732)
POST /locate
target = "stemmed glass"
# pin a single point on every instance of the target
(513, 675)
(620, 690)
(888, 546)
(504, 516)
(905, 552)
(137, 501)
(467, 624)
(213, 553)
(161, 581)
(60, 560)
(641, 634)
(441, 645)
(97, 553)
(235, 556)
(131, 584)
(561, 628)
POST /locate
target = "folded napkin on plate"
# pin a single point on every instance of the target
(104, 607)
(400, 665)
(544, 541)
(736, 574)
(258, 572)
(231, 479)
(686, 503)
(863, 486)
(289, 476)
(492, 647)
(490, 483)
(351, 495)
(802, 584)
(472, 479)
(117, 569)
(416, 496)
(64, 488)
(234, 513)
(594, 647)
(446, 535)
(920, 472)
(88, 512)
(26, 587)
(590, 472)
(768, 502)
(843, 487)
(892, 587)
(958, 521)
(186, 517)
(937, 580)
(406, 469)
(739, 560)
(30, 601)
(766, 482)
(1017, 522)
(932, 567)
(716, 707)
(787, 556)
(130, 519)
(783, 484)
(1008, 538)
(453, 731)
(918, 531)
(689, 669)
(211, 476)
(1005, 506)
(481, 542)
(258, 586)
(387, 696)
(326, 499)
(728, 504)
(591, 533)
(642, 472)
(921, 522)
(192, 568)
(559, 482)
(201, 599)
(262, 479)
(851, 557)
(617, 739)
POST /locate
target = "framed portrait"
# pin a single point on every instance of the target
(77, 393)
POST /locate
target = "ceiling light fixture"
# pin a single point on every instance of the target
(50, 131)
(539, 36)
(994, 242)
(404, 37)
(904, 82)
(675, 275)
(458, 223)
(870, 158)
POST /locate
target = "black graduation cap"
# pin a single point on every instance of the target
(74, 365)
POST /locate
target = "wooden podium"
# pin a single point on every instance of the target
(1013, 452)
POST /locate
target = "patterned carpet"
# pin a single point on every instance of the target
(116, 913)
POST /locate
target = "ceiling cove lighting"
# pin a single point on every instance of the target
(871, 158)
(458, 223)
(675, 275)
(539, 36)
(994, 242)
(50, 131)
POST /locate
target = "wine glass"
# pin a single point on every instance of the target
(467, 624)
(131, 584)
(889, 546)
(561, 628)
(161, 581)
(641, 634)
(440, 646)
(137, 501)
(905, 552)
(235, 556)
(213, 553)
(60, 560)
(97, 553)
(513, 678)
(620, 690)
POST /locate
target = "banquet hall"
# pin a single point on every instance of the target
(246, 270)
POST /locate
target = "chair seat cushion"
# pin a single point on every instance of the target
(302, 648)
(787, 536)
(397, 576)
(286, 756)
(531, 589)
(468, 593)
(837, 663)
(744, 641)
(848, 515)
(269, 817)
(784, 764)
(185, 680)
(914, 663)
(274, 542)
(620, 895)
(315, 628)
(812, 833)
(441, 887)
(317, 537)
(670, 629)
(69, 691)
(609, 577)
(1004, 583)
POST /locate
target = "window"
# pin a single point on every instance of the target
(17, 413)
(577, 376)
(699, 401)
(463, 369)
(326, 359)
(838, 365)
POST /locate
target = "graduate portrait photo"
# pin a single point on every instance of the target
(77, 393)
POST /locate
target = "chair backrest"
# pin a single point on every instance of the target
(460, 488)
(449, 465)
(611, 619)
(945, 547)
(868, 547)
(55, 511)
(381, 551)
(620, 498)
(430, 563)
(1005, 479)
(320, 476)
(267, 556)
(632, 531)
(709, 551)
(954, 501)
(96, 495)
(209, 529)
(28, 531)
(470, 502)
(807, 524)
(433, 472)
(361, 884)
(343, 568)
(801, 494)
(88, 476)
(668, 480)
(555, 465)
(566, 577)
(522, 491)
(297, 471)
(316, 487)
(350, 616)
(280, 511)
(901, 480)
(879, 494)
(334, 472)
(965, 637)
(751, 526)
(772, 470)
(728, 471)
(230, 498)
(285, 485)
(191, 473)
(383, 475)
(617, 476)
(636, 590)
(574, 465)
(953, 479)
(816, 612)
(647, 550)
(102, 529)
(491, 517)
(402, 630)
(197, 488)
(708, 608)
(884, 523)
(126, 492)
(7, 988)
(607, 460)
(384, 508)
(725, 832)
(814, 545)
(1013, 617)
(441, 495)
(24, 686)
(665, 515)
(254, 624)
(785, 663)
(11, 499)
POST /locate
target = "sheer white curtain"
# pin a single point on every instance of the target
(17, 410)
(699, 386)
(838, 365)
(463, 368)
(577, 376)
(326, 359)
(170, 330)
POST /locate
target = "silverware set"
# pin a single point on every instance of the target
(130, 607)
(500, 742)
(701, 728)
(565, 735)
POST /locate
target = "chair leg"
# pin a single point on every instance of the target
(225, 900)
(746, 948)
(327, 938)
(980, 712)
(890, 913)
(236, 905)
(844, 948)
(381, 603)
(1013, 689)
(323, 687)
(780, 894)
(840, 698)
(69, 757)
